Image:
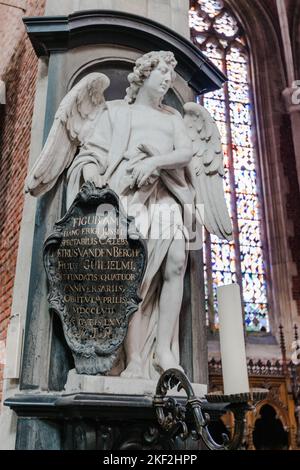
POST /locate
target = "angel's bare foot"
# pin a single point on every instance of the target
(165, 360)
(133, 370)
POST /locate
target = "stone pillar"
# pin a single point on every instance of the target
(292, 102)
(290, 94)
(171, 13)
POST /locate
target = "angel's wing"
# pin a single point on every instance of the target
(208, 170)
(72, 124)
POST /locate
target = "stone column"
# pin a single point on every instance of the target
(290, 94)
(292, 101)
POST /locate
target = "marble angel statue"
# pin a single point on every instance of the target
(148, 152)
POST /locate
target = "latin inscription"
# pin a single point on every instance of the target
(94, 264)
(94, 271)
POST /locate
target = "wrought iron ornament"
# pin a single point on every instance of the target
(95, 261)
(190, 420)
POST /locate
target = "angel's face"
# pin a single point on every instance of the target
(159, 80)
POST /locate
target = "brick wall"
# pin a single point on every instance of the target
(18, 70)
(11, 30)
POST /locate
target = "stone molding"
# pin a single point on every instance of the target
(62, 33)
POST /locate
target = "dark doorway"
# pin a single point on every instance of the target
(217, 429)
(269, 433)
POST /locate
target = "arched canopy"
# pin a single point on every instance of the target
(61, 33)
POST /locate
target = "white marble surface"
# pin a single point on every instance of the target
(140, 148)
(119, 386)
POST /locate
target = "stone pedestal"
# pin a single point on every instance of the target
(118, 386)
(89, 421)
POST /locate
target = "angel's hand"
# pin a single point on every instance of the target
(142, 172)
(91, 173)
(136, 156)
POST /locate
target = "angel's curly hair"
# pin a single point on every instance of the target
(142, 69)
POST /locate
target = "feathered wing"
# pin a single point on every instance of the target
(208, 170)
(72, 124)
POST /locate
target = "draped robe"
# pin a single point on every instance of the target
(106, 147)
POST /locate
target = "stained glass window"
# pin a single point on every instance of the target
(216, 31)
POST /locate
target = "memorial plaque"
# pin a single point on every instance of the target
(95, 261)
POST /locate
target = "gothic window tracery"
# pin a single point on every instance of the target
(216, 31)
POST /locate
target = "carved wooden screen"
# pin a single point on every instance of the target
(216, 31)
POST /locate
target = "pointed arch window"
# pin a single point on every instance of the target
(216, 31)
